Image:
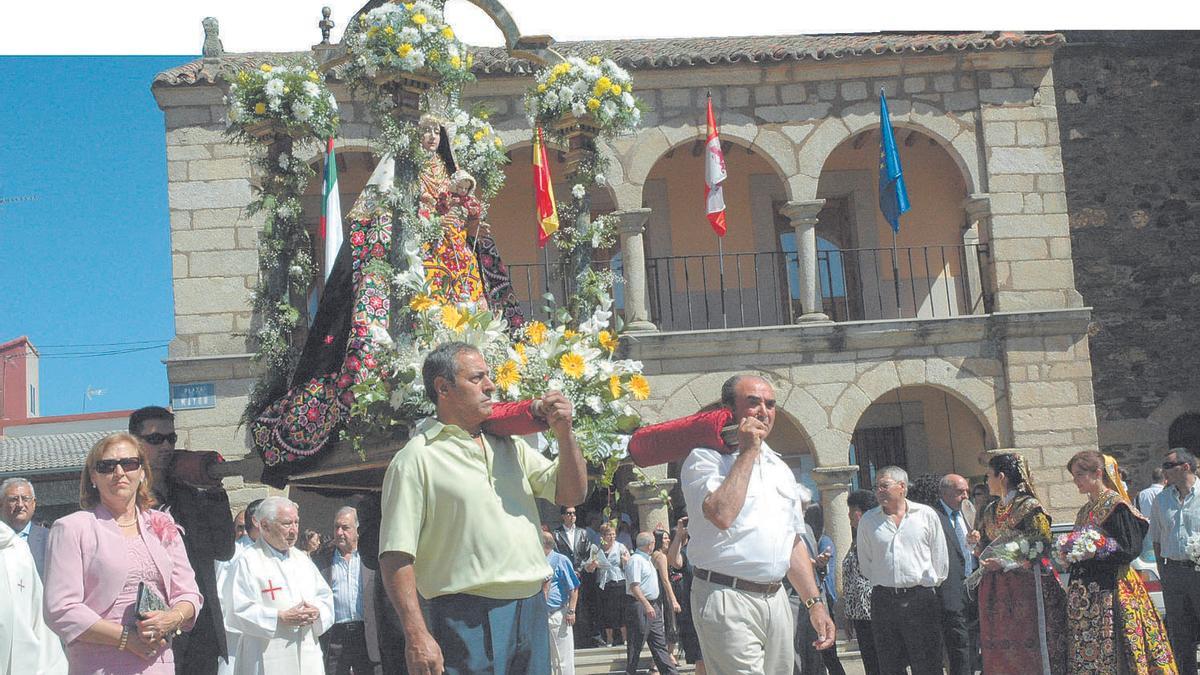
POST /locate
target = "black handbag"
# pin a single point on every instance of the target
(148, 600)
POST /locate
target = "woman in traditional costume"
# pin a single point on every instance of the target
(1112, 624)
(1022, 610)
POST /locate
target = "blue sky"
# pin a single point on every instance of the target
(87, 262)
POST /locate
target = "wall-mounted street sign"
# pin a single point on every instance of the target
(193, 396)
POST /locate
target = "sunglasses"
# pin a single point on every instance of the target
(127, 464)
(1167, 466)
(159, 439)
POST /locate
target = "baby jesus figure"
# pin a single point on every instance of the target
(459, 206)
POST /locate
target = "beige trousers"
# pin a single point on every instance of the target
(562, 645)
(743, 633)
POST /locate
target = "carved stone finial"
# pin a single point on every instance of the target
(325, 24)
(212, 38)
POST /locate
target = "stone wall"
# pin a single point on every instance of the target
(1129, 114)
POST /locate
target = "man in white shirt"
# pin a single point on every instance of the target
(747, 540)
(277, 599)
(16, 510)
(1174, 519)
(644, 610)
(346, 644)
(572, 541)
(902, 552)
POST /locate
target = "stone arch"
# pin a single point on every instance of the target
(955, 136)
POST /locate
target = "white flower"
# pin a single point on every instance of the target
(332, 102)
(312, 89)
(608, 108)
(601, 180)
(594, 402)
(284, 160)
(580, 87)
(637, 115)
(627, 99)
(397, 399)
(578, 191)
(274, 102)
(554, 384)
(274, 87)
(303, 111)
(380, 335)
(578, 109)
(460, 140)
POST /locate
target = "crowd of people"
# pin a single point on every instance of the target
(450, 570)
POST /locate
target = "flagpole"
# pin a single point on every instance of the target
(720, 247)
(896, 272)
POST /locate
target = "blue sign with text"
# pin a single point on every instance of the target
(194, 396)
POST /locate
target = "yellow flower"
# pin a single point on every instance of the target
(561, 69)
(408, 6)
(519, 348)
(371, 31)
(470, 62)
(404, 49)
(572, 365)
(448, 33)
(614, 387)
(314, 76)
(593, 103)
(615, 89)
(421, 302)
(551, 79)
(595, 60)
(454, 319)
(507, 375)
(243, 77)
(536, 331)
(602, 85)
(541, 88)
(260, 108)
(639, 387)
(266, 67)
(456, 62)
(499, 143)
(479, 135)
(569, 334)
(608, 341)
(419, 19)
(434, 55)
(388, 30)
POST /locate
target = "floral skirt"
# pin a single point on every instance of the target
(1009, 638)
(1116, 630)
(452, 270)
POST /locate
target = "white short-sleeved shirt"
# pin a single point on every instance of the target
(758, 545)
(913, 553)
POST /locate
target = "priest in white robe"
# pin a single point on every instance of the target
(275, 597)
(27, 645)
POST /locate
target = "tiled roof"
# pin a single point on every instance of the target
(683, 52)
(47, 452)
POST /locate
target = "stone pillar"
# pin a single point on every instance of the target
(803, 216)
(979, 210)
(632, 224)
(653, 510)
(834, 484)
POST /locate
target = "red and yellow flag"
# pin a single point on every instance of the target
(543, 192)
(714, 175)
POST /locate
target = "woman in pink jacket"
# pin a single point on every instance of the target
(98, 557)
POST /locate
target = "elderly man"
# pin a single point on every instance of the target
(201, 507)
(27, 645)
(748, 539)
(644, 610)
(1174, 518)
(16, 510)
(562, 596)
(277, 599)
(460, 525)
(958, 609)
(345, 644)
(902, 553)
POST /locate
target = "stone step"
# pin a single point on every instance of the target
(611, 660)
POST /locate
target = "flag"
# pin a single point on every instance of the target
(893, 197)
(714, 174)
(543, 192)
(331, 210)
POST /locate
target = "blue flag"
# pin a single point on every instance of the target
(893, 197)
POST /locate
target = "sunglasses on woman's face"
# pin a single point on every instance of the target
(127, 464)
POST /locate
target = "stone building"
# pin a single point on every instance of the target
(1129, 109)
(966, 336)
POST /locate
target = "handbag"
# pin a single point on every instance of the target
(148, 600)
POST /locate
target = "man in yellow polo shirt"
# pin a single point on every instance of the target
(461, 527)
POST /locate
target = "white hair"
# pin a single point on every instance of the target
(895, 473)
(347, 510)
(11, 482)
(268, 510)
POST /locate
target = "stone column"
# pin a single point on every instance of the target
(632, 224)
(834, 484)
(648, 496)
(979, 210)
(803, 216)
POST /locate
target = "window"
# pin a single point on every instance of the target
(33, 400)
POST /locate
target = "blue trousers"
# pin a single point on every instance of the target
(482, 636)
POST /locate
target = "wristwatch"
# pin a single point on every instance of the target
(809, 603)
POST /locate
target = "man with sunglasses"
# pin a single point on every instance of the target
(201, 507)
(1173, 520)
(18, 502)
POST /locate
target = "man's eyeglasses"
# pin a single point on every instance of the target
(570, 513)
(159, 439)
(1167, 466)
(19, 499)
(884, 487)
(127, 464)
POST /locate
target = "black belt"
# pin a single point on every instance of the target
(1178, 563)
(902, 591)
(347, 628)
(740, 584)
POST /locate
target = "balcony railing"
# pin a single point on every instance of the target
(533, 281)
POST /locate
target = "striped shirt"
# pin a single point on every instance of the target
(346, 581)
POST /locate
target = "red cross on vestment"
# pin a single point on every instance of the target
(271, 588)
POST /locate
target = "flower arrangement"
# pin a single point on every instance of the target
(579, 361)
(412, 38)
(479, 150)
(293, 98)
(596, 88)
(1082, 543)
(1013, 550)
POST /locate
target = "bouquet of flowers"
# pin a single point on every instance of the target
(596, 88)
(293, 97)
(1082, 543)
(1192, 548)
(410, 37)
(1013, 550)
(479, 150)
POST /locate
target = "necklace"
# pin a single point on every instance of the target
(129, 524)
